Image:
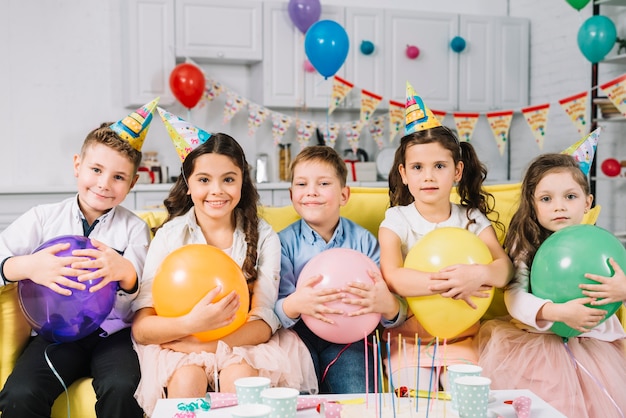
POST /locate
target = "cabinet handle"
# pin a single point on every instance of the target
(220, 54)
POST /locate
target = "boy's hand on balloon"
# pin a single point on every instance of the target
(49, 270)
(106, 263)
(372, 297)
(208, 314)
(312, 302)
(578, 316)
(608, 289)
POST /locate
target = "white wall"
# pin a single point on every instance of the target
(60, 77)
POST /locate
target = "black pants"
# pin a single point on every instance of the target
(32, 387)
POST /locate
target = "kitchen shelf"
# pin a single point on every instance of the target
(615, 59)
(610, 2)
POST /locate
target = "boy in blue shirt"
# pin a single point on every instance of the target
(318, 191)
(106, 170)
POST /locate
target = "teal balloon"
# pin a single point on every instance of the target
(563, 259)
(596, 37)
(326, 45)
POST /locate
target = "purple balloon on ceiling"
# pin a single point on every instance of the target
(304, 13)
(60, 318)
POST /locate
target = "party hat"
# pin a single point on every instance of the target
(134, 127)
(185, 136)
(417, 116)
(584, 150)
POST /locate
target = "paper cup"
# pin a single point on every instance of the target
(458, 370)
(249, 389)
(283, 401)
(251, 410)
(472, 396)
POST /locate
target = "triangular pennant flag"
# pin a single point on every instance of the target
(256, 116)
(576, 108)
(330, 132)
(439, 114)
(616, 91)
(376, 130)
(185, 136)
(537, 119)
(280, 124)
(353, 133)
(465, 123)
(584, 150)
(134, 127)
(417, 116)
(341, 88)
(212, 89)
(500, 123)
(396, 118)
(304, 132)
(369, 103)
(233, 105)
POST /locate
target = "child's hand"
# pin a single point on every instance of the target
(372, 297)
(312, 302)
(106, 263)
(609, 289)
(578, 316)
(49, 270)
(207, 314)
(460, 281)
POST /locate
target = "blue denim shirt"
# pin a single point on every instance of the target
(299, 243)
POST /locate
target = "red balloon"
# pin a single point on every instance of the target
(187, 83)
(611, 167)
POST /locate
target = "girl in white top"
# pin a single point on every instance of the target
(215, 202)
(427, 165)
(586, 377)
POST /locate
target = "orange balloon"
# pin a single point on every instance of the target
(188, 273)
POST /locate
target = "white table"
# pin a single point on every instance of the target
(167, 408)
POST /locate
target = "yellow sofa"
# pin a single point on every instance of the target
(366, 207)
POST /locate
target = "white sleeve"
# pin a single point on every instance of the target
(523, 305)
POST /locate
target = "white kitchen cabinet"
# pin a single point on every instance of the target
(220, 30)
(147, 33)
(434, 73)
(494, 67)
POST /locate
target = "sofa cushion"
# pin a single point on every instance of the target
(14, 329)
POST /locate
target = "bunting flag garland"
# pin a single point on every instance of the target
(396, 119)
(537, 119)
(233, 105)
(256, 116)
(330, 132)
(304, 131)
(576, 108)
(212, 89)
(369, 103)
(341, 88)
(439, 114)
(584, 150)
(280, 124)
(616, 91)
(376, 130)
(500, 123)
(353, 133)
(465, 124)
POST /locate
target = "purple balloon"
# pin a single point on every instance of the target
(304, 13)
(60, 318)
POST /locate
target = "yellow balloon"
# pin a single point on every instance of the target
(440, 248)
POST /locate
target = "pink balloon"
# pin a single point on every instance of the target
(338, 267)
(308, 67)
(412, 52)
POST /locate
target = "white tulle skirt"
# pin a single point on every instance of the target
(284, 359)
(583, 378)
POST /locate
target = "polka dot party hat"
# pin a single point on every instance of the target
(134, 127)
(185, 136)
(417, 116)
(584, 150)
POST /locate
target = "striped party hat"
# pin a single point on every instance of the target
(134, 127)
(417, 116)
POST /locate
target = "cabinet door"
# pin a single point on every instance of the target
(365, 71)
(147, 50)
(219, 30)
(282, 68)
(317, 89)
(511, 62)
(434, 73)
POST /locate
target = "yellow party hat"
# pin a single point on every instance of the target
(185, 136)
(417, 116)
(134, 127)
(584, 150)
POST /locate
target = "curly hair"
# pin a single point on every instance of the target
(179, 202)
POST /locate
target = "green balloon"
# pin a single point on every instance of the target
(578, 4)
(563, 259)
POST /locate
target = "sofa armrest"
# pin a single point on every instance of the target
(14, 330)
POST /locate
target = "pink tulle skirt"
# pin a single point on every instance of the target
(585, 378)
(284, 359)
